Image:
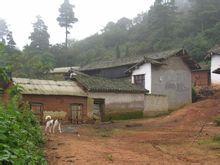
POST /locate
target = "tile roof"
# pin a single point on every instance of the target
(213, 51)
(133, 60)
(49, 87)
(98, 84)
(217, 71)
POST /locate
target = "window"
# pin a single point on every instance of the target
(139, 80)
(37, 109)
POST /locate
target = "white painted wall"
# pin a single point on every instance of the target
(215, 64)
(144, 69)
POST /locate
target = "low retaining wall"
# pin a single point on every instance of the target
(155, 105)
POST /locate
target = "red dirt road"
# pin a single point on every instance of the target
(174, 139)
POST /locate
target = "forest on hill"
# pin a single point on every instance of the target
(168, 24)
(192, 24)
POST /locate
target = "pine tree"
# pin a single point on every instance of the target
(39, 37)
(66, 17)
(3, 30)
(118, 52)
(10, 41)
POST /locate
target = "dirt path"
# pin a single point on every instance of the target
(174, 139)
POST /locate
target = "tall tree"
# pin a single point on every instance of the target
(118, 52)
(161, 24)
(3, 30)
(39, 37)
(10, 41)
(66, 17)
(204, 14)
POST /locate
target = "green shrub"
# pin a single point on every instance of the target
(194, 95)
(124, 116)
(217, 121)
(21, 138)
(216, 138)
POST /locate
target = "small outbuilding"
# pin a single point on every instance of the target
(111, 97)
(201, 77)
(60, 99)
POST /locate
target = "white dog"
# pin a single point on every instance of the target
(52, 124)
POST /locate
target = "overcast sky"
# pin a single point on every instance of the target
(93, 15)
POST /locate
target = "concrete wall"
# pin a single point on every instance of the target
(146, 70)
(155, 105)
(58, 105)
(215, 64)
(120, 102)
(174, 81)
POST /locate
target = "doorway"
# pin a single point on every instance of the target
(99, 109)
(37, 109)
(76, 113)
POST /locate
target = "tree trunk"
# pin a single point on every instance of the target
(66, 37)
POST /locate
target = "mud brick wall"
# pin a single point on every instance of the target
(155, 105)
(201, 78)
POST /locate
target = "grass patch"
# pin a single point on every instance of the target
(217, 121)
(109, 157)
(213, 143)
(124, 116)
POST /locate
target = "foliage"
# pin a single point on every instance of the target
(164, 26)
(194, 95)
(124, 116)
(217, 121)
(20, 134)
(192, 24)
(29, 63)
(39, 37)
(3, 30)
(66, 17)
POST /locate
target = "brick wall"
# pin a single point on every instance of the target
(58, 104)
(201, 78)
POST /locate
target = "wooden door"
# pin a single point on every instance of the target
(37, 109)
(76, 113)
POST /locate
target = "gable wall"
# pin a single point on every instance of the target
(174, 81)
(215, 64)
(146, 70)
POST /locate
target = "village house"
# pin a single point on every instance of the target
(214, 55)
(60, 99)
(167, 76)
(111, 98)
(166, 73)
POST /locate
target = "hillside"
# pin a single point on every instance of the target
(163, 27)
(183, 137)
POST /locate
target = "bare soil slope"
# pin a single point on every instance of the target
(173, 139)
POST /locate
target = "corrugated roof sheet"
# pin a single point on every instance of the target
(49, 87)
(63, 69)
